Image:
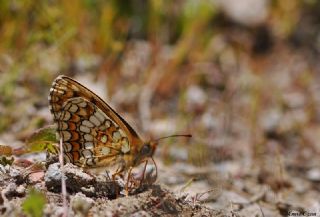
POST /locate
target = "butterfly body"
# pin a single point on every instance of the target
(93, 134)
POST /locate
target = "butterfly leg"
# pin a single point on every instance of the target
(155, 166)
(128, 180)
(149, 179)
(143, 173)
(117, 173)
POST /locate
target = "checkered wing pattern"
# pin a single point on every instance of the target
(93, 134)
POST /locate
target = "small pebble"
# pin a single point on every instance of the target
(81, 204)
(314, 175)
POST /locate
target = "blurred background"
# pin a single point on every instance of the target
(241, 76)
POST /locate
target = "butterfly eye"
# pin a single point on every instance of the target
(146, 149)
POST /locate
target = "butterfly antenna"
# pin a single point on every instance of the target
(176, 135)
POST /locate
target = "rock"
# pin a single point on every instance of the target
(16, 174)
(79, 181)
(314, 175)
(12, 190)
(246, 12)
(35, 177)
(21, 190)
(196, 98)
(81, 204)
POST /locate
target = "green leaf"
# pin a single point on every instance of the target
(43, 139)
(34, 203)
(6, 160)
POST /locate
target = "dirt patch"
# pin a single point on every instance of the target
(91, 195)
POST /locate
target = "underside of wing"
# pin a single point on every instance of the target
(91, 134)
(65, 88)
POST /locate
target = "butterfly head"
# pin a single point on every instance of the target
(147, 149)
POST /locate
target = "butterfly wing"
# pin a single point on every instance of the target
(93, 134)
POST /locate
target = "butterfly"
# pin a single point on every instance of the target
(94, 134)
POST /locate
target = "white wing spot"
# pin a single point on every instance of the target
(66, 135)
(67, 147)
(88, 145)
(66, 116)
(116, 136)
(88, 137)
(61, 87)
(122, 133)
(84, 129)
(107, 123)
(105, 150)
(73, 108)
(75, 88)
(90, 162)
(82, 104)
(100, 116)
(94, 120)
(60, 92)
(87, 123)
(86, 153)
(125, 147)
(77, 100)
